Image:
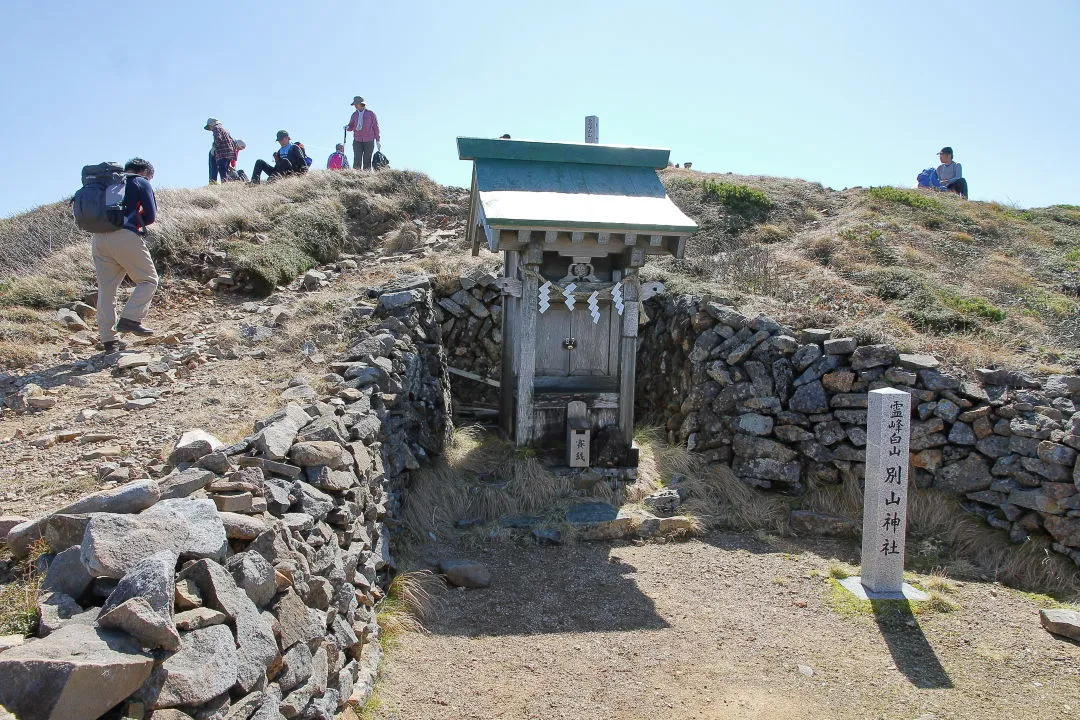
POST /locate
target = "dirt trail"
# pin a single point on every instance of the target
(717, 628)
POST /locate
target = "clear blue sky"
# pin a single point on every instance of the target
(845, 93)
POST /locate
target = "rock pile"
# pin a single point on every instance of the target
(241, 584)
(469, 313)
(787, 408)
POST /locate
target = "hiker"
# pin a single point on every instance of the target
(338, 160)
(365, 128)
(950, 174)
(222, 153)
(289, 159)
(123, 253)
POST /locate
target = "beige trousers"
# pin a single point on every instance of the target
(116, 255)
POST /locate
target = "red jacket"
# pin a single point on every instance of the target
(368, 131)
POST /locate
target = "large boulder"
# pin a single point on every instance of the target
(130, 498)
(77, 673)
(114, 544)
(204, 668)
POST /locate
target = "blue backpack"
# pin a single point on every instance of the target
(98, 206)
(928, 179)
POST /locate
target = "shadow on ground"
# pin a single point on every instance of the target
(585, 590)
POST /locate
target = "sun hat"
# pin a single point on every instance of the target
(358, 101)
(282, 134)
(240, 144)
(211, 122)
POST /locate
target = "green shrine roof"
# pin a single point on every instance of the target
(572, 185)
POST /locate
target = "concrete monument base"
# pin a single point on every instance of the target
(855, 587)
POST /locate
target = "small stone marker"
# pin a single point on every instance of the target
(578, 434)
(888, 435)
(592, 129)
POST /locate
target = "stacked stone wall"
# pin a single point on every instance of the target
(470, 314)
(243, 583)
(787, 408)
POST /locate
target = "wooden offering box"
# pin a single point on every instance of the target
(574, 222)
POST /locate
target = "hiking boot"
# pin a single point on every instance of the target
(111, 347)
(133, 326)
(213, 182)
(254, 181)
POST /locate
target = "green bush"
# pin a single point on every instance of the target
(972, 306)
(741, 200)
(911, 198)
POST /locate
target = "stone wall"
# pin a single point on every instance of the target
(787, 408)
(469, 312)
(242, 583)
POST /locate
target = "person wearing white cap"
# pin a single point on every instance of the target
(223, 152)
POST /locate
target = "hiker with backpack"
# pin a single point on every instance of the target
(116, 205)
(289, 159)
(950, 174)
(364, 126)
(223, 152)
(338, 160)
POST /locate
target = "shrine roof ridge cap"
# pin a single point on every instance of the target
(562, 152)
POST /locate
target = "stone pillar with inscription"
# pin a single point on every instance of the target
(888, 434)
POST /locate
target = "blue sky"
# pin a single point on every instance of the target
(844, 93)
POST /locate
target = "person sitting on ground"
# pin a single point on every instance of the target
(289, 159)
(338, 160)
(365, 128)
(950, 174)
(222, 153)
(123, 253)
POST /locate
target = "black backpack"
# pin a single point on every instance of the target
(379, 161)
(98, 206)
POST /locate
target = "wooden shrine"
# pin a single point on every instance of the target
(574, 222)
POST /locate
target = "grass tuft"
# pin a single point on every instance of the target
(408, 602)
(741, 200)
(911, 198)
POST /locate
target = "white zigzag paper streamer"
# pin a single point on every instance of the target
(545, 296)
(616, 297)
(568, 293)
(594, 307)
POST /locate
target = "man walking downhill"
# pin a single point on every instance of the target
(123, 253)
(224, 151)
(365, 129)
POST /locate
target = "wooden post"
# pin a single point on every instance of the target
(532, 256)
(628, 354)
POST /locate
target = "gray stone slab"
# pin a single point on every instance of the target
(906, 592)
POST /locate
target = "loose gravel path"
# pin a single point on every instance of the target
(723, 627)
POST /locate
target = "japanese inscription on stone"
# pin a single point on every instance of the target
(888, 435)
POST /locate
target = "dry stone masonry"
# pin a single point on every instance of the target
(242, 584)
(788, 408)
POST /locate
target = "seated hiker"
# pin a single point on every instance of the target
(950, 174)
(289, 159)
(338, 160)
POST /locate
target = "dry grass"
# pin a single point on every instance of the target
(270, 233)
(714, 495)
(946, 540)
(409, 600)
(19, 612)
(977, 282)
(480, 476)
